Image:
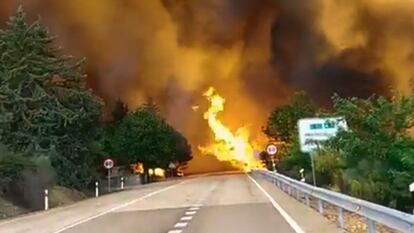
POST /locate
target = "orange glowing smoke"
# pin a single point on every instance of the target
(228, 146)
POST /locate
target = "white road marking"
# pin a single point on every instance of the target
(181, 224)
(190, 212)
(117, 207)
(285, 215)
(186, 218)
(175, 231)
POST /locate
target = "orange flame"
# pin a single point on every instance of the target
(234, 148)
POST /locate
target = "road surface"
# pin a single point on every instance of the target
(207, 204)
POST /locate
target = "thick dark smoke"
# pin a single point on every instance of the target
(305, 58)
(256, 53)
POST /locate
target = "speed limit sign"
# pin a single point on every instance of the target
(271, 149)
(108, 163)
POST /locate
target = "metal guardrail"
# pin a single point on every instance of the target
(372, 212)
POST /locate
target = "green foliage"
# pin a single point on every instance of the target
(282, 126)
(282, 123)
(328, 166)
(373, 160)
(45, 106)
(376, 152)
(11, 167)
(292, 160)
(182, 149)
(144, 136)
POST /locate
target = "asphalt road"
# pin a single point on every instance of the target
(207, 204)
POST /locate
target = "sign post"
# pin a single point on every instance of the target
(312, 157)
(109, 164)
(313, 131)
(172, 166)
(271, 150)
(411, 189)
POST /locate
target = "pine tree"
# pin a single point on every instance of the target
(45, 106)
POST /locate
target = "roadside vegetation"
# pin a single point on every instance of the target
(373, 160)
(51, 128)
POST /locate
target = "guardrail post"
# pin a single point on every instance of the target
(96, 189)
(289, 190)
(341, 222)
(307, 199)
(371, 226)
(46, 199)
(298, 194)
(122, 183)
(320, 206)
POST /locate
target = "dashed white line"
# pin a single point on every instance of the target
(186, 218)
(282, 212)
(175, 231)
(181, 224)
(190, 212)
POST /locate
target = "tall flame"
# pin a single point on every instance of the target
(234, 148)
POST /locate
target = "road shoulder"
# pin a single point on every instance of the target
(62, 218)
(308, 220)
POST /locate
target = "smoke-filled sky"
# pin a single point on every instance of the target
(255, 53)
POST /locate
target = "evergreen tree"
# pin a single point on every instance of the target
(45, 106)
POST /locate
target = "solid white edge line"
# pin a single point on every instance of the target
(116, 208)
(285, 215)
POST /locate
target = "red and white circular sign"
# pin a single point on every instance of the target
(271, 149)
(108, 163)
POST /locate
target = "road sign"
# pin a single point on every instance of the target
(312, 131)
(108, 163)
(271, 149)
(411, 187)
(171, 165)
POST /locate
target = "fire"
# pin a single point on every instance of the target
(228, 146)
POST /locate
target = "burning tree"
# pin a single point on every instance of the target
(46, 109)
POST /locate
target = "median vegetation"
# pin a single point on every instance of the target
(373, 160)
(51, 128)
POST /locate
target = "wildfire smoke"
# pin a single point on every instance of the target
(256, 53)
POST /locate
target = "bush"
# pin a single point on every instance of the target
(29, 189)
(11, 167)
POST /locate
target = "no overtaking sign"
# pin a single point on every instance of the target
(271, 149)
(108, 163)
